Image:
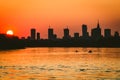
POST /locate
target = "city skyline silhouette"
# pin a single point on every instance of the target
(20, 16)
(95, 32)
(59, 39)
(96, 39)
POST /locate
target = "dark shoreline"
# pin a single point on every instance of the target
(16, 43)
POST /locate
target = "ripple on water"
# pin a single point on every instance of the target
(109, 79)
(59, 69)
(118, 71)
(42, 68)
(108, 71)
(63, 66)
(52, 78)
(5, 73)
(33, 79)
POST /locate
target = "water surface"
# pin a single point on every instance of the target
(60, 64)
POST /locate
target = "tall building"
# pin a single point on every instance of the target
(66, 34)
(96, 32)
(116, 34)
(38, 36)
(107, 33)
(33, 34)
(76, 35)
(51, 35)
(84, 31)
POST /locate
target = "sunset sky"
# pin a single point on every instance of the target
(22, 15)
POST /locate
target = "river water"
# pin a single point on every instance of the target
(60, 64)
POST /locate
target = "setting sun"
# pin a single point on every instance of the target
(10, 32)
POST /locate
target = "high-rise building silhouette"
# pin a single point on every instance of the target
(116, 34)
(38, 36)
(51, 35)
(84, 31)
(33, 34)
(76, 35)
(96, 32)
(66, 34)
(107, 33)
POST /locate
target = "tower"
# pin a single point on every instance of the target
(98, 29)
(38, 36)
(84, 31)
(98, 25)
(116, 34)
(76, 35)
(33, 33)
(66, 33)
(96, 32)
(107, 33)
(50, 33)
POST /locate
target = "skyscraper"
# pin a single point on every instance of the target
(66, 34)
(96, 32)
(76, 35)
(33, 34)
(107, 32)
(84, 31)
(50, 33)
(38, 36)
(116, 34)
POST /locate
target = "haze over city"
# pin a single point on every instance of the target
(21, 16)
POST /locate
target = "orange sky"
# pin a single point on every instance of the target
(21, 15)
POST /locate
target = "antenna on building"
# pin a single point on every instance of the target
(98, 25)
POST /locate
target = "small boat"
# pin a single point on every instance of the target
(76, 51)
(90, 51)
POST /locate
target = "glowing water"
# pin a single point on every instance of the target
(60, 64)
